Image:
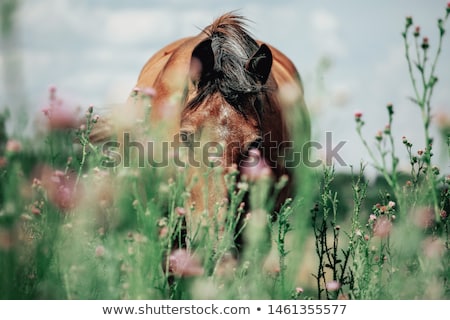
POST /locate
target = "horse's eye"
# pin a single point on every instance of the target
(255, 144)
(186, 137)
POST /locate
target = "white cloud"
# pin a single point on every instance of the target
(325, 33)
(134, 26)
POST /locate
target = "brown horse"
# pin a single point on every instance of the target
(223, 89)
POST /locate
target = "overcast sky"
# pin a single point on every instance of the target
(349, 53)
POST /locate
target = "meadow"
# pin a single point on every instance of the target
(73, 226)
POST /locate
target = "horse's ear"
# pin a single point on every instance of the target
(202, 61)
(260, 63)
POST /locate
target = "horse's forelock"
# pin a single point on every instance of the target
(232, 46)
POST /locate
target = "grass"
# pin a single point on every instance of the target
(73, 228)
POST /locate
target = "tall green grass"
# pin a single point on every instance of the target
(73, 228)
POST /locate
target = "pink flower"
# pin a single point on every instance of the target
(100, 251)
(333, 285)
(433, 247)
(358, 115)
(299, 290)
(13, 146)
(382, 227)
(379, 135)
(182, 263)
(61, 117)
(425, 43)
(423, 217)
(36, 211)
(3, 162)
(255, 167)
(180, 211)
(60, 188)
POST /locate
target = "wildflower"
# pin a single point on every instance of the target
(379, 135)
(390, 109)
(435, 170)
(409, 21)
(433, 247)
(91, 109)
(181, 212)
(423, 217)
(255, 167)
(35, 210)
(242, 186)
(163, 232)
(95, 118)
(182, 263)
(99, 251)
(299, 290)
(387, 129)
(372, 217)
(425, 43)
(13, 146)
(420, 152)
(60, 188)
(448, 8)
(333, 285)
(391, 204)
(52, 92)
(382, 227)
(358, 116)
(417, 31)
(443, 214)
(61, 117)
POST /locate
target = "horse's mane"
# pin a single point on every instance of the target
(232, 46)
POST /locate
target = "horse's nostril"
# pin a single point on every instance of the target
(255, 144)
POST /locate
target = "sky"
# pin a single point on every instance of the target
(349, 53)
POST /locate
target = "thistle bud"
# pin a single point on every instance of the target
(379, 135)
(409, 21)
(425, 43)
(390, 109)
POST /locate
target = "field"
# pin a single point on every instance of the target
(72, 226)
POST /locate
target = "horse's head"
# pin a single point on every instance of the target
(223, 116)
